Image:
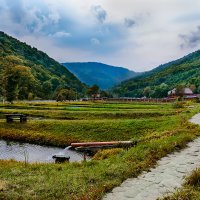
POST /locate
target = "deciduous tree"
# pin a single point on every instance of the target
(66, 94)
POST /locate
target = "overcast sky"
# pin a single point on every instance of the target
(137, 34)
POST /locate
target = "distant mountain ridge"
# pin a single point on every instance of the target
(36, 73)
(184, 71)
(105, 76)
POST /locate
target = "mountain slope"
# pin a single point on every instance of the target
(105, 76)
(46, 74)
(185, 71)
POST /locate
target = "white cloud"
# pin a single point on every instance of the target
(153, 40)
(95, 41)
(61, 54)
(54, 16)
(61, 34)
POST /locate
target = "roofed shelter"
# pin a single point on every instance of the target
(185, 91)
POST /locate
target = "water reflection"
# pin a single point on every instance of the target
(34, 153)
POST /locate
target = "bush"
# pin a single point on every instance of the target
(103, 154)
(178, 104)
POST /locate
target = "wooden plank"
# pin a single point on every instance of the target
(87, 144)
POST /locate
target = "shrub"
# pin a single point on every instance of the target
(178, 104)
(103, 154)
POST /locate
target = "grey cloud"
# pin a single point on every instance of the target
(63, 29)
(99, 13)
(32, 19)
(54, 16)
(17, 11)
(191, 40)
(129, 22)
(29, 19)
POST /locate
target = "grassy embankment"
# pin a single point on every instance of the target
(159, 128)
(86, 122)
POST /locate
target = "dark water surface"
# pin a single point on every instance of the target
(34, 153)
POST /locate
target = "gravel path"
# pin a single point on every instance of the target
(166, 177)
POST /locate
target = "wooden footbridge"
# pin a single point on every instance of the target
(92, 147)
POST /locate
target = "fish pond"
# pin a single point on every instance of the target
(31, 153)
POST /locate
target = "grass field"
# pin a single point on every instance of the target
(158, 128)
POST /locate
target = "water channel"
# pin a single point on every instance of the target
(34, 153)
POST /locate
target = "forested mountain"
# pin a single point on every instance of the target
(105, 76)
(26, 72)
(156, 83)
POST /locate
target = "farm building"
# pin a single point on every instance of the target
(186, 93)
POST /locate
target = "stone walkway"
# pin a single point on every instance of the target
(166, 177)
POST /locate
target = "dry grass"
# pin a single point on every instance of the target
(3, 185)
(103, 154)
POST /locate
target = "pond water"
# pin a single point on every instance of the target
(34, 153)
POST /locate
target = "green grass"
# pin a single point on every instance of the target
(157, 136)
(63, 132)
(77, 111)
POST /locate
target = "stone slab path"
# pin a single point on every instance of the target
(165, 178)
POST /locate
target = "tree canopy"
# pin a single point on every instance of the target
(156, 83)
(26, 72)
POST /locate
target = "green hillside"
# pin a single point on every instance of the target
(29, 73)
(156, 83)
(105, 76)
